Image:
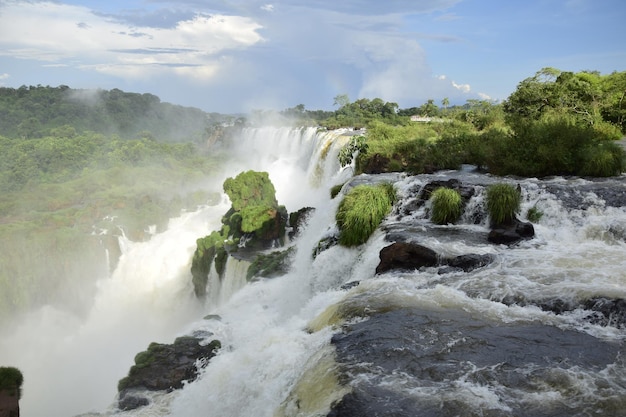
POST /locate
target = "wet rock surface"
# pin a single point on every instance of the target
(164, 367)
(603, 311)
(413, 256)
(413, 362)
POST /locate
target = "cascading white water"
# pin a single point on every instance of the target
(72, 365)
(264, 326)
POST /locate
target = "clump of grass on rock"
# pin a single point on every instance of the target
(503, 203)
(446, 206)
(362, 210)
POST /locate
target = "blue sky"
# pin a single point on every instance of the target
(238, 55)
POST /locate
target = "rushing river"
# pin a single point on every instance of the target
(538, 331)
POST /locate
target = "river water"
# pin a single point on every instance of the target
(539, 331)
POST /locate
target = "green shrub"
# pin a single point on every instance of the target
(11, 379)
(503, 203)
(556, 144)
(446, 206)
(534, 214)
(361, 211)
(605, 160)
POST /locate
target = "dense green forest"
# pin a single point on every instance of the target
(74, 163)
(38, 111)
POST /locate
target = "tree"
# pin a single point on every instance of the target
(445, 103)
(429, 108)
(587, 95)
(341, 100)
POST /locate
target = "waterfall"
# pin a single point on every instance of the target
(520, 335)
(72, 364)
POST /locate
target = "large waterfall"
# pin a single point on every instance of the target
(539, 331)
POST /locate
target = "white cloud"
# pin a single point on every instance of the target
(58, 33)
(462, 87)
(268, 7)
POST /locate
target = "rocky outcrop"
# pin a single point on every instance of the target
(164, 367)
(506, 234)
(254, 223)
(298, 219)
(9, 404)
(11, 381)
(467, 262)
(402, 255)
(411, 256)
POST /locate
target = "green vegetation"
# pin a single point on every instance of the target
(356, 146)
(555, 123)
(271, 264)
(75, 164)
(254, 213)
(335, 190)
(446, 206)
(38, 111)
(253, 198)
(503, 203)
(11, 380)
(64, 201)
(362, 210)
(534, 214)
(207, 248)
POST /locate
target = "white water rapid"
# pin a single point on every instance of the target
(283, 337)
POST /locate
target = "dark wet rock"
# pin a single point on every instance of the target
(166, 367)
(602, 311)
(270, 265)
(325, 243)
(350, 285)
(510, 234)
(394, 362)
(298, 219)
(609, 312)
(132, 402)
(470, 261)
(411, 256)
(403, 255)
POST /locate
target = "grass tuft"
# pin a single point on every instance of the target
(362, 210)
(503, 203)
(446, 206)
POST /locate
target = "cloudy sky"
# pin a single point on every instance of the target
(237, 55)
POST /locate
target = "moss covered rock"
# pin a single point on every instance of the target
(270, 265)
(164, 367)
(254, 222)
(206, 250)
